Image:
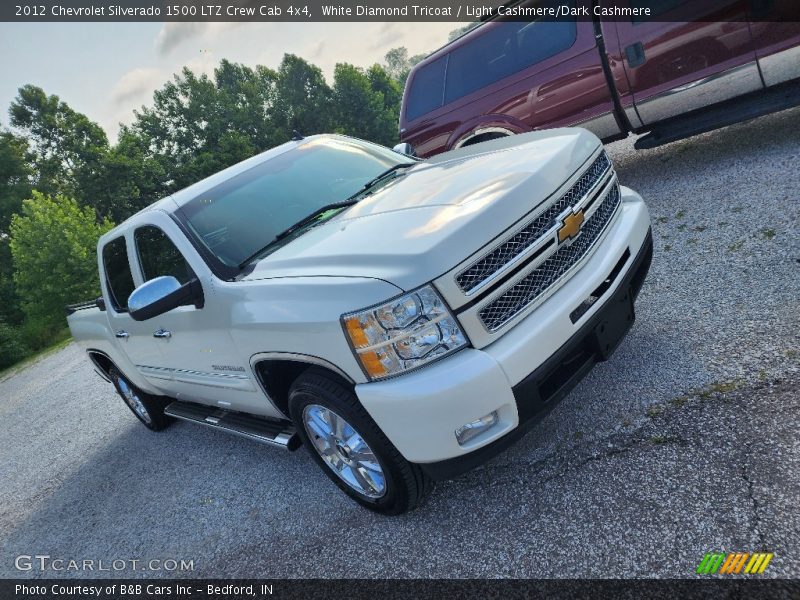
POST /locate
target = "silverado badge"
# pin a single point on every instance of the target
(571, 226)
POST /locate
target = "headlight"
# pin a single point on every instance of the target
(404, 333)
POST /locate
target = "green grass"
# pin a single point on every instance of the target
(679, 401)
(660, 439)
(723, 387)
(736, 246)
(654, 410)
(680, 214)
(768, 233)
(61, 340)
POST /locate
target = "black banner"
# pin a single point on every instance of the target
(395, 10)
(84, 589)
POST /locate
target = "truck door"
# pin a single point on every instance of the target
(687, 55)
(195, 343)
(134, 339)
(775, 26)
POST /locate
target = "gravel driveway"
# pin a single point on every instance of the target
(685, 442)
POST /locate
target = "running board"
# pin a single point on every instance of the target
(730, 112)
(258, 429)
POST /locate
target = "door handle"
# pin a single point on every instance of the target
(122, 334)
(162, 333)
(635, 55)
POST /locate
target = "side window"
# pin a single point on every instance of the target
(158, 256)
(503, 49)
(427, 89)
(119, 279)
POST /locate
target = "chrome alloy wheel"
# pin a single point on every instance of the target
(343, 449)
(133, 400)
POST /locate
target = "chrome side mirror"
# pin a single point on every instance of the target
(405, 148)
(162, 294)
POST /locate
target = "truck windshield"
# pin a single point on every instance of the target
(243, 214)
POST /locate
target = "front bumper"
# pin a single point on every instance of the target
(528, 370)
(540, 391)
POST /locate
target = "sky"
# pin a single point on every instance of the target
(106, 70)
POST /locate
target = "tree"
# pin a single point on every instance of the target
(67, 147)
(462, 30)
(399, 64)
(302, 99)
(10, 311)
(133, 177)
(15, 176)
(358, 109)
(53, 244)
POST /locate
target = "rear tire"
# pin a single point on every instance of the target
(351, 449)
(147, 408)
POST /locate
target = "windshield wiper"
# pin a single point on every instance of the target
(388, 171)
(307, 220)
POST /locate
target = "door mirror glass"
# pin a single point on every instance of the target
(405, 148)
(162, 294)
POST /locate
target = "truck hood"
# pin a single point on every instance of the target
(437, 213)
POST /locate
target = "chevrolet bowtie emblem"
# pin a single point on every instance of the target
(571, 226)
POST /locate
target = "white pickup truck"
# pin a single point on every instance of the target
(405, 320)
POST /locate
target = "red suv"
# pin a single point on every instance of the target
(688, 67)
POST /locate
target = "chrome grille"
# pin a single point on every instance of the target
(519, 296)
(487, 266)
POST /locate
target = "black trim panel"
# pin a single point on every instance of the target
(539, 392)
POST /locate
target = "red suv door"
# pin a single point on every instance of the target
(686, 55)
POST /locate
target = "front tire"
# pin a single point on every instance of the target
(147, 408)
(350, 447)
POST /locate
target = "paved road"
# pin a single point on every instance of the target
(685, 442)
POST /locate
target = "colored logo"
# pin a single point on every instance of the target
(734, 563)
(571, 226)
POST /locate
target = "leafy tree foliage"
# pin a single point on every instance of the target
(15, 176)
(12, 348)
(53, 244)
(15, 185)
(366, 103)
(399, 63)
(68, 147)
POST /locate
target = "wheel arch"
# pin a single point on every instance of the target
(277, 371)
(483, 135)
(102, 363)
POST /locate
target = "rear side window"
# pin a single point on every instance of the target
(506, 48)
(499, 50)
(426, 91)
(119, 279)
(159, 256)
